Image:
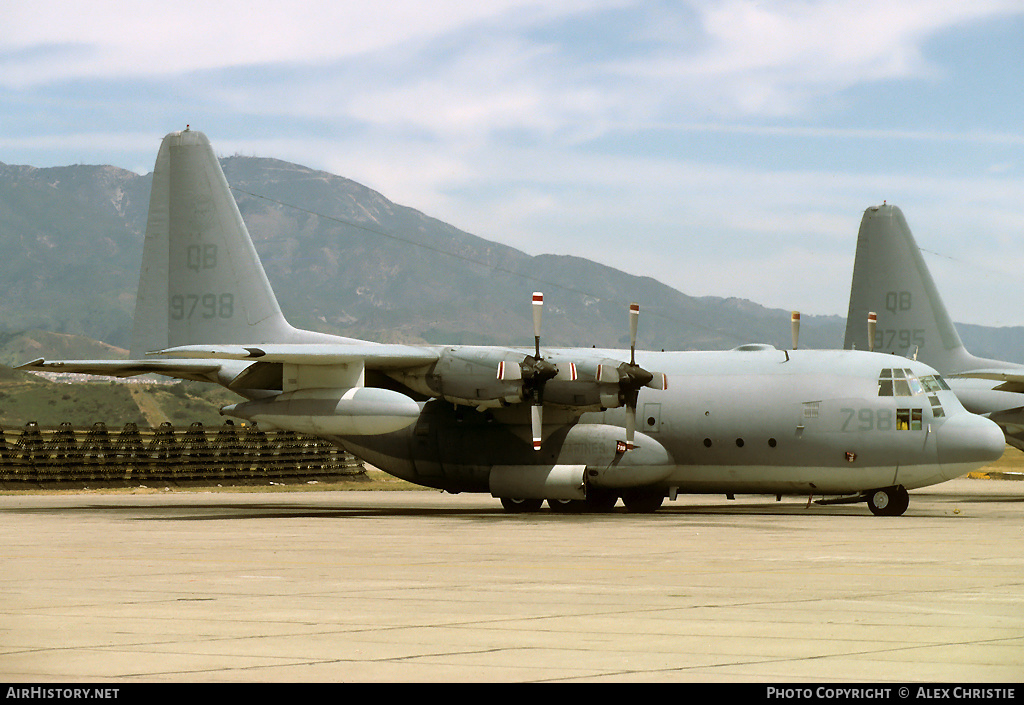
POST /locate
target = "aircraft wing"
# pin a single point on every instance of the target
(1012, 380)
(196, 370)
(233, 365)
(375, 356)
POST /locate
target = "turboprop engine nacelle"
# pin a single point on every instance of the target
(466, 376)
(490, 377)
(361, 411)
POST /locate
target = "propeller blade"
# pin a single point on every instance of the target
(509, 371)
(567, 373)
(872, 324)
(634, 317)
(536, 424)
(659, 381)
(794, 322)
(607, 374)
(630, 427)
(538, 307)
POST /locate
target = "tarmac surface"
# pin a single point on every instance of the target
(192, 586)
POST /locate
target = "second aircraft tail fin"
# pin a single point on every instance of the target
(891, 279)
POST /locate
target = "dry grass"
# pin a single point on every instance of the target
(1012, 463)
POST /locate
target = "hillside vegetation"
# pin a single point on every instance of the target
(26, 397)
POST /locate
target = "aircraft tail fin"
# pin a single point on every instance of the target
(891, 279)
(201, 280)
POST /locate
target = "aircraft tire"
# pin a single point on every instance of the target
(521, 506)
(600, 501)
(567, 506)
(643, 501)
(902, 500)
(889, 501)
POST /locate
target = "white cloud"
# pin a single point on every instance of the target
(108, 39)
(777, 58)
(642, 135)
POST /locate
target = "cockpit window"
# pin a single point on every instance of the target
(937, 379)
(915, 385)
(901, 382)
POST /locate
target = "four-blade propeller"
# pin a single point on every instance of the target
(535, 372)
(630, 377)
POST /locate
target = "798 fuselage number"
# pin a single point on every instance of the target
(867, 419)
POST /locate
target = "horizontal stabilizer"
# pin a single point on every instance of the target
(1012, 381)
(197, 370)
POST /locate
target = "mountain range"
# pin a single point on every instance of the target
(344, 259)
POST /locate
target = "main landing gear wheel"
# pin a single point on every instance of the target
(600, 500)
(567, 506)
(597, 502)
(521, 506)
(889, 501)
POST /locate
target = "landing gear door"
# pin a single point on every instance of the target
(425, 455)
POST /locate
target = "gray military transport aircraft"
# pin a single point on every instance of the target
(895, 308)
(531, 424)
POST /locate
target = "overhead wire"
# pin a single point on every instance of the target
(494, 267)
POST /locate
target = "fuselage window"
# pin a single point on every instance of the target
(937, 411)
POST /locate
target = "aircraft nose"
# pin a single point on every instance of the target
(968, 439)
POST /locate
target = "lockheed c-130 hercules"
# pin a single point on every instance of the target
(577, 427)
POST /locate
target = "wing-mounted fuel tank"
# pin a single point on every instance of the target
(332, 412)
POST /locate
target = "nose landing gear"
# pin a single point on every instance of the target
(889, 501)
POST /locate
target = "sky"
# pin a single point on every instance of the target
(723, 147)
